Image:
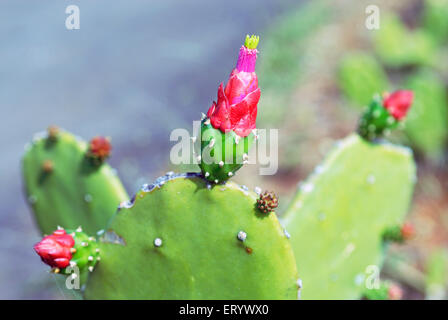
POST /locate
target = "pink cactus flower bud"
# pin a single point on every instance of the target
(236, 108)
(56, 249)
(398, 103)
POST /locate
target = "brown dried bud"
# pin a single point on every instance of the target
(47, 166)
(268, 202)
(53, 132)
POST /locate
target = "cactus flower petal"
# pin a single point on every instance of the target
(398, 103)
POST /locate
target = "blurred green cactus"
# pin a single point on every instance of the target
(65, 188)
(399, 47)
(435, 19)
(361, 77)
(340, 212)
(437, 275)
(183, 238)
(427, 122)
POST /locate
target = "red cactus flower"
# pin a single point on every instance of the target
(100, 147)
(407, 231)
(56, 249)
(398, 103)
(236, 108)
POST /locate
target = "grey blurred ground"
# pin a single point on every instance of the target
(134, 71)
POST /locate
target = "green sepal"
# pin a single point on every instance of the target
(393, 234)
(376, 120)
(216, 163)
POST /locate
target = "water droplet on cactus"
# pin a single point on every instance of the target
(157, 242)
(111, 237)
(88, 198)
(371, 179)
(126, 204)
(258, 190)
(307, 187)
(319, 169)
(244, 188)
(359, 279)
(322, 216)
(147, 187)
(298, 205)
(242, 236)
(169, 173)
(287, 235)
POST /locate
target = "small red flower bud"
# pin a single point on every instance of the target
(407, 231)
(236, 109)
(394, 292)
(100, 148)
(55, 249)
(398, 103)
(47, 166)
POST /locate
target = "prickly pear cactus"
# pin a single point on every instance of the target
(183, 238)
(67, 186)
(336, 220)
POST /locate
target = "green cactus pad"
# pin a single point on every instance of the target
(72, 191)
(399, 47)
(338, 216)
(427, 121)
(361, 77)
(435, 20)
(227, 152)
(178, 239)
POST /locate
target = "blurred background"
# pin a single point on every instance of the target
(136, 70)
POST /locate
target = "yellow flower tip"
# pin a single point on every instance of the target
(251, 42)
